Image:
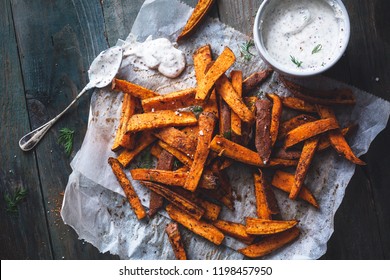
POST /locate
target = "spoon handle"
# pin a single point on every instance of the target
(28, 141)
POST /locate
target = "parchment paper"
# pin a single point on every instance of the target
(94, 204)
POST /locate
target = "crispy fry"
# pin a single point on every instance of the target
(219, 67)
(284, 181)
(172, 230)
(239, 153)
(196, 17)
(324, 97)
(292, 123)
(160, 119)
(254, 80)
(287, 153)
(250, 102)
(276, 114)
(236, 77)
(263, 226)
(235, 230)
(207, 123)
(166, 177)
(187, 161)
(225, 89)
(164, 162)
(337, 139)
(133, 89)
(324, 139)
(177, 139)
(212, 210)
(126, 156)
(156, 150)
(263, 138)
(123, 139)
(263, 197)
(201, 228)
(270, 243)
(170, 101)
(309, 130)
(308, 151)
(124, 182)
(176, 199)
(298, 104)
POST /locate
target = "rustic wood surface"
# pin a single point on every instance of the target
(46, 48)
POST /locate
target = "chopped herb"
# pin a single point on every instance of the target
(176, 164)
(66, 139)
(245, 50)
(316, 49)
(227, 134)
(12, 201)
(295, 61)
(146, 159)
(196, 109)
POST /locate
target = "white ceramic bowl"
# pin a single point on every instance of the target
(299, 71)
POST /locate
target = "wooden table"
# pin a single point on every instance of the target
(45, 50)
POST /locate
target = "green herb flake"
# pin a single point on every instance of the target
(196, 109)
(227, 134)
(146, 159)
(297, 62)
(176, 164)
(245, 50)
(316, 49)
(12, 201)
(66, 139)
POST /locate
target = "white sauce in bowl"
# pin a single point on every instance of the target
(159, 54)
(303, 35)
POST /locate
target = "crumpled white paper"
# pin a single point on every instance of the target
(94, 204)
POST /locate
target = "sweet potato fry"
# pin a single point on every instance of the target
(183, 158)
(219, 67)
(170, 101)
(176, 199)
(164, 162)
(160, 119)
(196, 17)
(292, 123)
(172, 230)
(242, 154)
(202, 59)
(337, 139)
(177, 139)
(207, 123)
(298, 104)
(338, 96)
(286, 153)
(284, 181)
(270, 243)
(276, 114)
(308, 151)
(266, 204)
(126, 156)
(156, 150)
(235, 230)
(201, 228)
(123, 139)
(225, 89)
(125, 183)
(324, 139)
(263, 140)
(309, 130)
(254, 80)
(212, 210)
(236, 77)
(166, 177)
(250, 102)
(133, 89)
(263, 226)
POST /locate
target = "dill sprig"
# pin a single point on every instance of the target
(297, 62)
(245, 50)
(12, 201)
(196, 110)
(66, 139)
(316, 49)
(146, 159)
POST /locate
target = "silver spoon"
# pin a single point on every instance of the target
(101, 73)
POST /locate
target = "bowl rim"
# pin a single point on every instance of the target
(279, 67)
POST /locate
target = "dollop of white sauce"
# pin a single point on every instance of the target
(303, 34)
(159, 54)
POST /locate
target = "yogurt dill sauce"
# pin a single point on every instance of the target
(303, 35)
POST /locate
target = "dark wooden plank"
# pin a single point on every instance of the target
(57, 41)
(25, 235)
